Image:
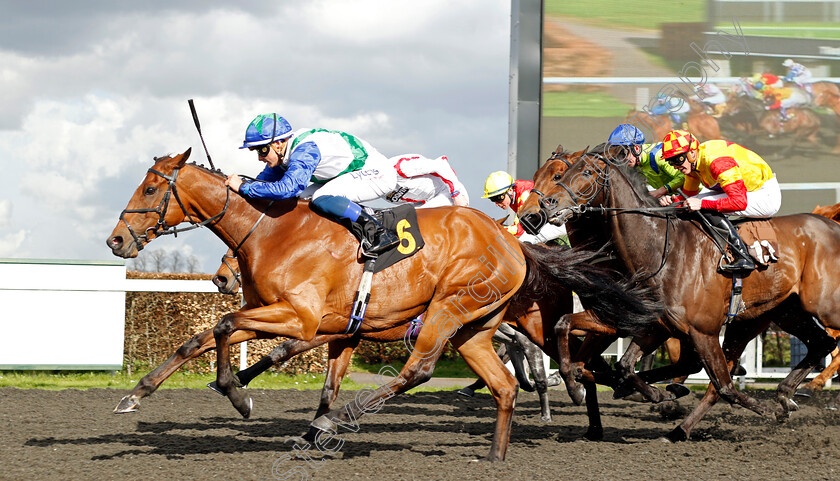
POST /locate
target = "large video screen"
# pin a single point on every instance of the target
(760, 74)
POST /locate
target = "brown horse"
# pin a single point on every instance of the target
(299, 272)
(516, 348)
(831, 212)
(600, 336)
(700, 123)
(749, 116)
(680, 261)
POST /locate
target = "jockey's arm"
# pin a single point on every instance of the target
(302, 163)
(735, 200)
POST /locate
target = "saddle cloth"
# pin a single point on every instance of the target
(402, 220)
(760, 238)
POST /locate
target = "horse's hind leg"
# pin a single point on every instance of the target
(477, 351)
(736, 338)
(340, 354)
(535, 361)
(818, 343)
(819, 381)
(194, 347)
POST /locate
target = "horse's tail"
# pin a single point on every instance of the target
(629, 306)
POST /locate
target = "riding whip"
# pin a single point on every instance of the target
(198, 127)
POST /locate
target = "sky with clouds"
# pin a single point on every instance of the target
(91, 91)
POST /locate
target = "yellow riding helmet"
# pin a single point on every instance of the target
(498, 183)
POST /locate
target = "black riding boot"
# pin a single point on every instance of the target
(377, 238)
(374, 237)
(742, 260)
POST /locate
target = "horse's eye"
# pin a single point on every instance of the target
(557, 177)
(150, 190)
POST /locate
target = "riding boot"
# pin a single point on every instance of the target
(374, 237)
(381, 238)
(742, 260)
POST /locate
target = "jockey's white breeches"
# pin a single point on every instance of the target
(375, 180)
(763, 202)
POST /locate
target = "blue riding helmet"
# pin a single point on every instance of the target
(266, 128)
(626, 134)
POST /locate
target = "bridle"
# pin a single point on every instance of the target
(603, 182)
(161, 227)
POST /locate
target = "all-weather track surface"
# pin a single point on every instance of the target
(197, 435)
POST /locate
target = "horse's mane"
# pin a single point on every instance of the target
(217, 172)
(635, 178)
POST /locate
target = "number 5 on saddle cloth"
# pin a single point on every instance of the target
(403, 220)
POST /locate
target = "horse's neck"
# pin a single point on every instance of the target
(208, 197)
(634, 235)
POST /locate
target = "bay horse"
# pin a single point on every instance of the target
(831, 212)
(598, 335)
(680, 261)
(299, 273)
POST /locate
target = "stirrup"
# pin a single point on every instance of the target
(739, 264)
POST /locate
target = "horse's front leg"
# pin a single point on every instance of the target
(585, 321)
(340, 355)
(194, 347)
(280, 319)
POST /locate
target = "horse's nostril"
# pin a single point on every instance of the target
(115, 241)
(220, 281)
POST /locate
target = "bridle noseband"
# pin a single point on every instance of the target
(161, 227)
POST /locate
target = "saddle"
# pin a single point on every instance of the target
(760, 238)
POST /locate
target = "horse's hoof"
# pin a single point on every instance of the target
(594, 434)
(126, 405)
(804, 392)
(545, 419)
(215, 387)
(578, 394)
(554, 380)
(678, 390)
(739, 371)
(295, 440)
(466, 392)
(244, 406)
(832, 407)
(677, 435)
(790, 404)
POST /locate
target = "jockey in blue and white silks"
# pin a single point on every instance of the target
(336, 168)
(798, 74)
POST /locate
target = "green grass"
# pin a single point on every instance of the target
(795, 29)
(443, 368)
(639, 14)
(582, 104)
(58, 380)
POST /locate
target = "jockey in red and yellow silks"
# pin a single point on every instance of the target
(730, 168)
(739, 181)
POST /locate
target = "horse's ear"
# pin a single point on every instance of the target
(185, 156)
(559, 149)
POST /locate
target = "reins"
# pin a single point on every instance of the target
(664, 212)
(161, 228)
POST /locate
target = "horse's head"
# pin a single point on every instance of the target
(152, 209)
(830, 211)
(227, 277)
(563, 187)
